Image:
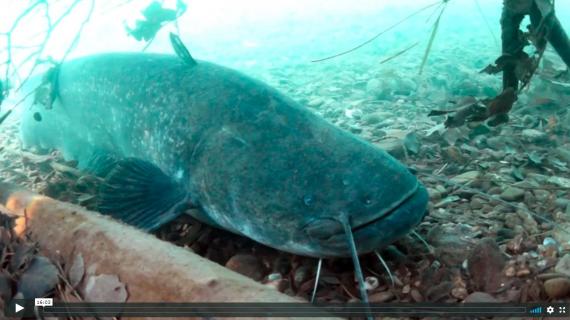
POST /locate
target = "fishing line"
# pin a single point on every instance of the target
(438, 3)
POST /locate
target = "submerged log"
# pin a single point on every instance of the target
(153, 270)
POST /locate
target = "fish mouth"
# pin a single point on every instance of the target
(383, 229)
(388, 211)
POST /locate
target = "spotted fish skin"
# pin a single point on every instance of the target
(256, 162)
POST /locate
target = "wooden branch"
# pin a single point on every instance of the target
(153, 270)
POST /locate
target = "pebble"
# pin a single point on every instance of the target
(510, 271)
(563, 265)
(466, 177)
(374, 87)
(381, 297)
(480, 297)
(477, 203)
(416, 295)
(512, 194)
(564, 153)
(533, 135)
(301, 275)
(557, 288)
(562, 202)
(523, 273)
(315, 102)
(451, 242)
(459, 293)
(560, 181)
(393, 146)
(371, 283)
(485, 264)
(246, 264)
(434, 195)
(376, 117)
(541, 195)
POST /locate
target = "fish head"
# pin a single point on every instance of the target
(294, 193)
(289, 179)
(356, 183)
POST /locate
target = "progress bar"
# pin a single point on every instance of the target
(61, 309)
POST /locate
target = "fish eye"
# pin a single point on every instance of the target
(308, 199)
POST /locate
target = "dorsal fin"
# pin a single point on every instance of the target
(181, 50)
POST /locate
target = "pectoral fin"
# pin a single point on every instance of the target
(140, 194)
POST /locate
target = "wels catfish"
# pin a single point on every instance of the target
(168, 130)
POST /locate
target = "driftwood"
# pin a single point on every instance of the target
(153, 270)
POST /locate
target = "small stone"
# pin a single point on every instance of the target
(512, 194)
(560, 181)
(480, 297)
(301, 275)
(468, 176)
(523, 273)
(381, 297)
(315, 102)
(371, 283)
(510, 271)
(557, 288)
(376, 117)
(416, 295)
(476, 203)
(563, 265)
(549, 241)
(434, 195)
(562, 203)
(459, 293)
(355, 129)
(533, 135)
(246, 264)
(541, 195)
(374, 86)
(393, 146)
(280, 284)
(274, 277)
(485, 265)
(564, 153)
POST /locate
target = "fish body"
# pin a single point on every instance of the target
(165, 132)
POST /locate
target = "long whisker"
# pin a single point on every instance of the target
(422, 240)
(385, 267)
(356, 263)
(319, 266)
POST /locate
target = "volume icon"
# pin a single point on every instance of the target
(536, 310)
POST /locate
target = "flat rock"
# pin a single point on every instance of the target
(560, 181)
(557, 288)
(533, 135)
(393, 146)
(480, 297)
(563, 265)
(512, 194)
(376, 117)
(246, 264)
(564, 153)
(381, 297)
(465, 177)
(451, 242)
(485, 264)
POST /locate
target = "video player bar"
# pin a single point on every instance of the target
(24, 308)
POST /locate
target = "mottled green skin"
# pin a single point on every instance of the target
(256, 162)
